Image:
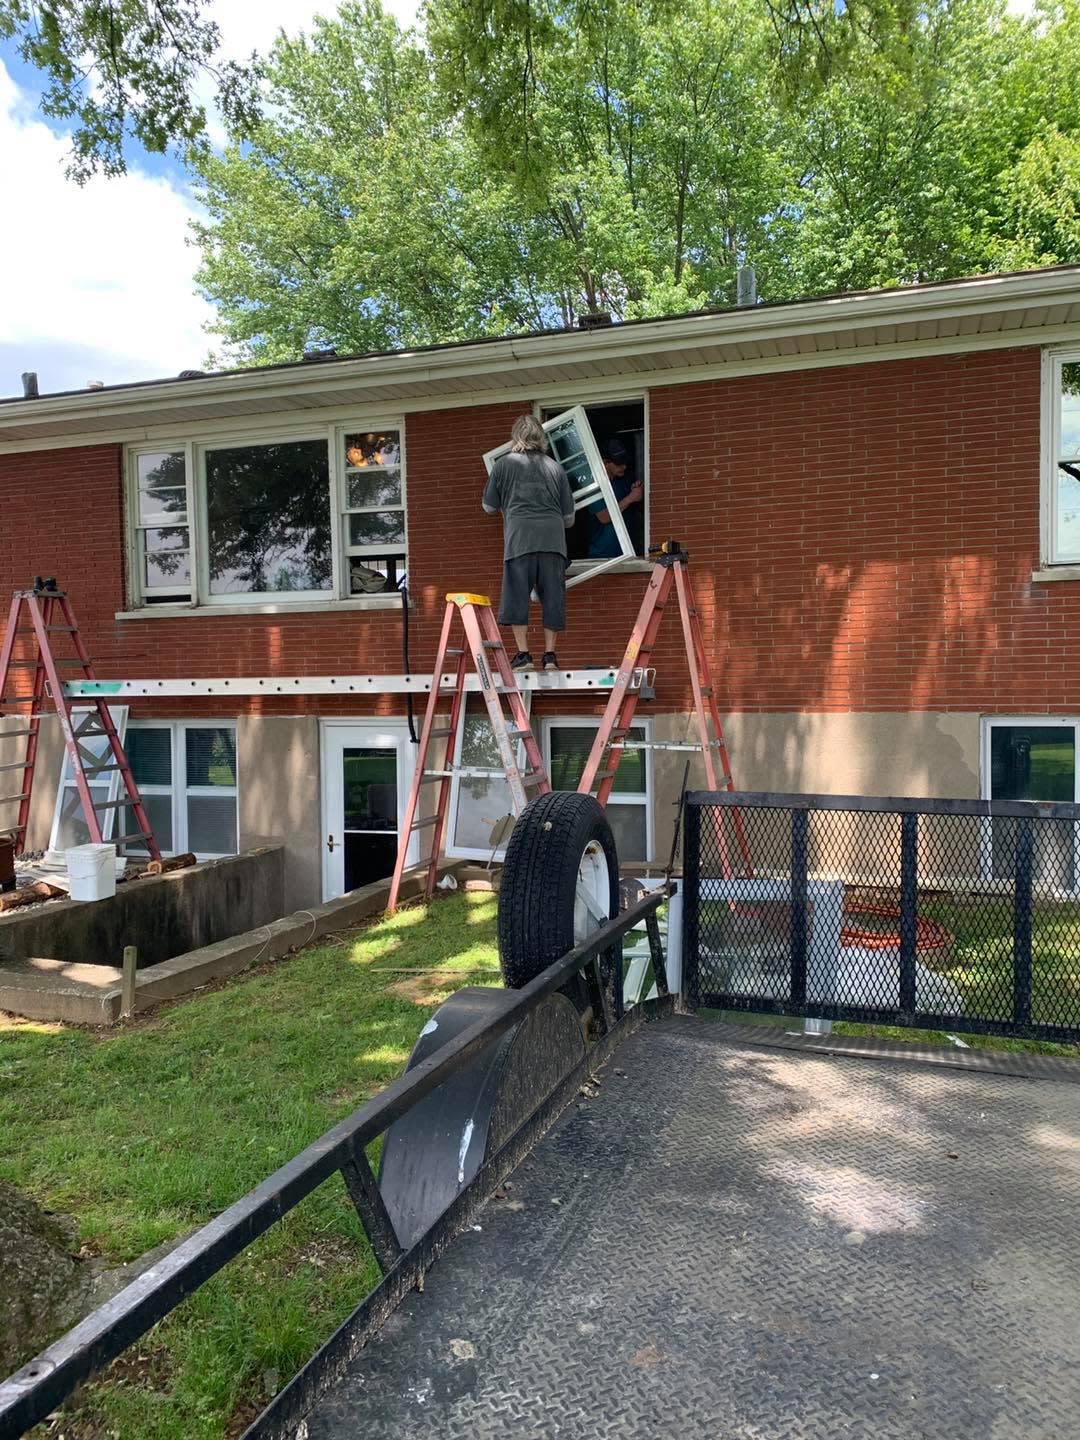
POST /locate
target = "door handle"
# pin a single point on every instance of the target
(330, 842)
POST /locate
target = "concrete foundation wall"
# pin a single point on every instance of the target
(163, 916)
(920, 754)
(277, 761)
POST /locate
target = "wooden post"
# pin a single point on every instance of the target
(127, 983)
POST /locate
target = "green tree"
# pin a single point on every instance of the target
(125, 68)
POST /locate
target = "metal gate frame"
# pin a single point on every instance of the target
(721, 806)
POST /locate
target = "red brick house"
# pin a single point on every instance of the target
(880, 493)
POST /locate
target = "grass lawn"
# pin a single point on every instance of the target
(144, 1132)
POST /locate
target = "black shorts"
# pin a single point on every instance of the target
(544, 572)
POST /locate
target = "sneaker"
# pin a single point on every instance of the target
(521, 661)
(550, 660)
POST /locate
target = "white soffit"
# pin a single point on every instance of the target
(997, 310)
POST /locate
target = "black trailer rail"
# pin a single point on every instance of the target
(34, 1391)
(942, 914)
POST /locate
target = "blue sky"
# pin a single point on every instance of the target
(98, 279)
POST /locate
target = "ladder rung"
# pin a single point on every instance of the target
(604, 775)
(429, 775)
(492, 644)
(125, 839)
(534, 777)
(8, 799)
(454, 650)
(14, 734)
(14, 764)
(516, 734)
(424, 824)
(113, 804)
(441, 733)
(706, 692)
(93, 771)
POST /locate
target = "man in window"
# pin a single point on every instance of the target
(603, 541)
(533, 495)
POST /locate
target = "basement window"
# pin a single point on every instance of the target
(69, 822)
(186, 774)
(306, 518)
(574, 447)
(1063, 500)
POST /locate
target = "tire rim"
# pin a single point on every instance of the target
(592, 892)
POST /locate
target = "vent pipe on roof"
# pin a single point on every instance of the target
(29, 385)
(746, 286)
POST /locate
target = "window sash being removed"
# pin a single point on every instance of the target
(574, 447)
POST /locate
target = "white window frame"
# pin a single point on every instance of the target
(107, 818)
(347, 551)
(1053, 362)
(634, 797)
(599, 489)
(197, 594)
(1044, 722)
(605, 402)
(486, 853)
(179, 789)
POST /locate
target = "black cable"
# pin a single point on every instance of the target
(404, 588)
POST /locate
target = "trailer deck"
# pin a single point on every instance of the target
(725, 1238)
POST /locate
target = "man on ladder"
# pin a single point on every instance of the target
(533, 496)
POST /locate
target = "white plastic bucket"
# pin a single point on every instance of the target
(92, 871)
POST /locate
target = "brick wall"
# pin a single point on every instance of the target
(862, 538)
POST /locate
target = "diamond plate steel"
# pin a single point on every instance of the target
(729, 1242)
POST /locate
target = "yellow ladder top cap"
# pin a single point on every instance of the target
(466, 597)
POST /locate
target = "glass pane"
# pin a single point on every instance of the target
(382, 447)
(1068, 510)
(211, 756)
(72, 829)
(211, 824)
(159, 813)
(385, 527)
(628, 826)
(368, 858)
(268, 518)
(570, 746)
(1070, 410)
(367, 489)
(1032, 762)
(482, 801)
(166, 557)
(370, 789)
(373, 574)
(162, 489)
(149, 754)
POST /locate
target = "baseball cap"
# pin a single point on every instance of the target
(616, 452)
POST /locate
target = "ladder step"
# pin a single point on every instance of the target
(113, 804)
(454, 650)
(424, 824)
(605, 775)
(492, 644)
(126, 839)
(516, 734)
(15, 734)
(9, 799)
(15, 764)
(534, 777)
(442, 733)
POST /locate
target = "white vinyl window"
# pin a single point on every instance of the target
(629, 808)
(69, 823)
(309, 517)
(186, 774)
(478, 802)
(1062, 501)
(574, 447)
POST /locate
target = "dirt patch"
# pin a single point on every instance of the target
(45, 1278)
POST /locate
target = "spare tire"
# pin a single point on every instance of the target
(560, 882)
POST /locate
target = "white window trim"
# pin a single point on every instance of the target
(179, 789)
(1054, 566)
(107, 819)
(197, 598)
(585, 570)
(634, 563)
(987, 725)
(633, 797)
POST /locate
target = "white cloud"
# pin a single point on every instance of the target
(98, 276)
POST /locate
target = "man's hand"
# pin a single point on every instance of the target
(635, 493)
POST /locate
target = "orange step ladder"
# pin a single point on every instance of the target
(48, 612)
(482, 646)
(670, 568)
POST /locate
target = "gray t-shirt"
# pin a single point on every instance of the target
(533, 493)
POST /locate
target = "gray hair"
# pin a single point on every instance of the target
(527, 434)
